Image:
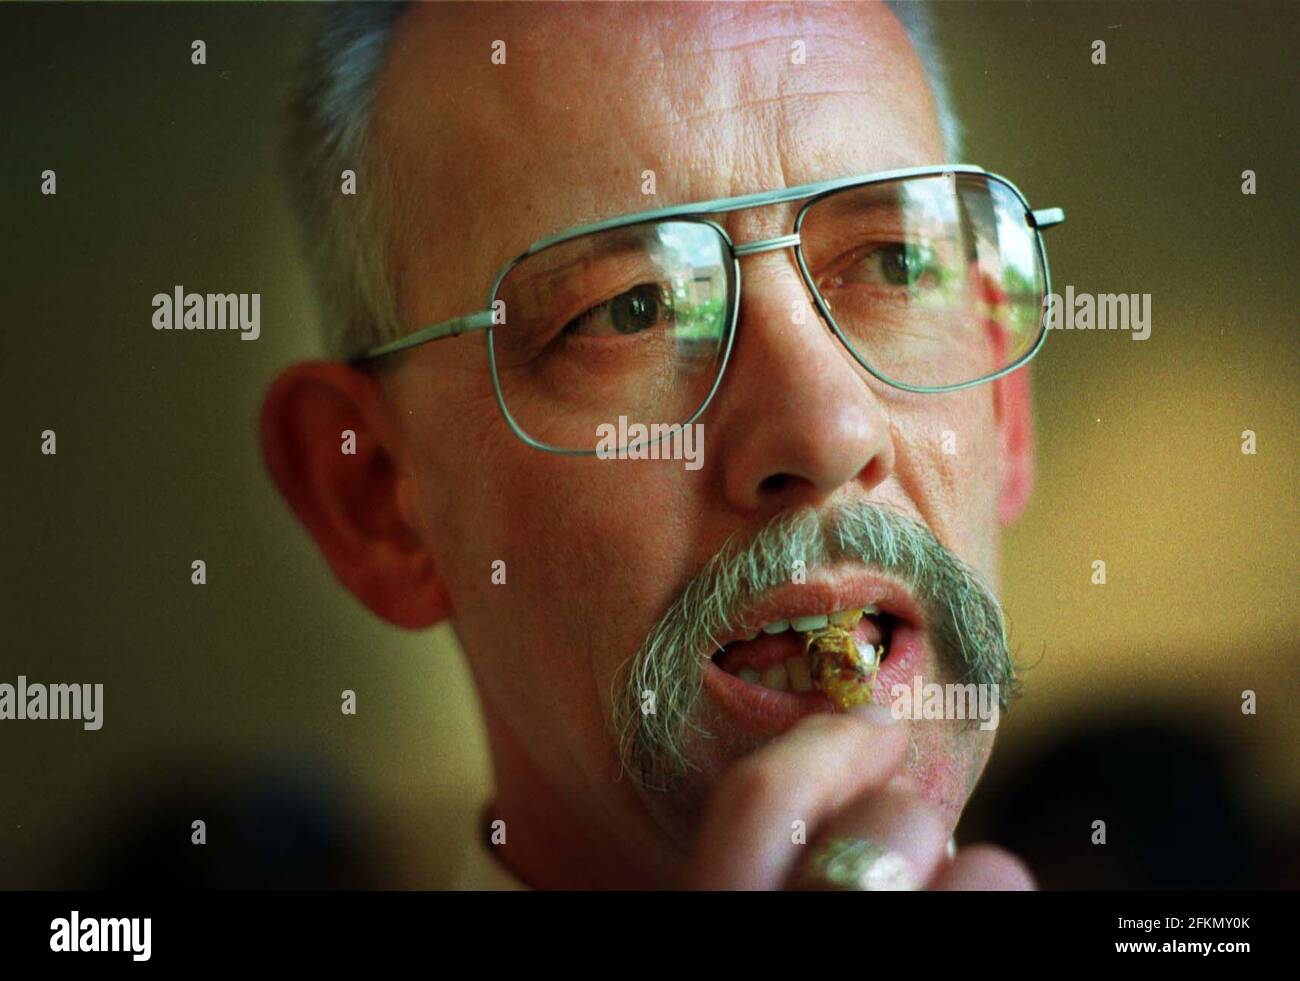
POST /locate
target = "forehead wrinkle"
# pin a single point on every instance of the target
(550, 55)
(728, 83)
(783, 40)
(763, 21)
(791, 99)
(781, 118)
(841, 68)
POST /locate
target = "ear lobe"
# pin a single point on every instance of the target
(350, 493)
(1013, 409)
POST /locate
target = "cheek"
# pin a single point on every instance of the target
(592, 551)
(948, 465)
(603, 547)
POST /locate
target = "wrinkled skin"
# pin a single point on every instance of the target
(489, 158)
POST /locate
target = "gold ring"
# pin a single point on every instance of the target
(858, 865)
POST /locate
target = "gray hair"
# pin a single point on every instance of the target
(347, 236)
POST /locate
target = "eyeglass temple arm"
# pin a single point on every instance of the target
(435, 332)
(1047, 217)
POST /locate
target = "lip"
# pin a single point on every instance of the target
(826, 592)
(769, 712)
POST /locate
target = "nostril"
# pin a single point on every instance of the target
(776, 483)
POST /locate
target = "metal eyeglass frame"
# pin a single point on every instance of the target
(696, 211)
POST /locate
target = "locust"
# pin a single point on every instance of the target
(837, 667)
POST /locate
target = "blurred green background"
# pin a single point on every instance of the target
(222, 701)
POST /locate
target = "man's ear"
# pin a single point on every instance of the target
(1013, 407)
(349, 490)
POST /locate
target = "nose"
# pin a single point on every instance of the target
(800, 421)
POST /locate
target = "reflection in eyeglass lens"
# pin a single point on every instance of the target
(932, 281)
(630, 322)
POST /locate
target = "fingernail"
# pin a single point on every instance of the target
(877, 715)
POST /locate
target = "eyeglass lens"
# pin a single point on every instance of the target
(930, 281)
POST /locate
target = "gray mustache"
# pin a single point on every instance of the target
(964, 618)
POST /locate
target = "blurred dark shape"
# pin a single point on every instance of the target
(1175, 818)
(285, 825)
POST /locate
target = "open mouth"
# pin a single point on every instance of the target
(762, 677)
(774, 655)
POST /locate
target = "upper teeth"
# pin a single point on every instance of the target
(804, 624)
(815, 622)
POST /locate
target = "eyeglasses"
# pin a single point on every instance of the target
(933, 278)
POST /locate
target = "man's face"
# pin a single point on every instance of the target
(490, 157)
